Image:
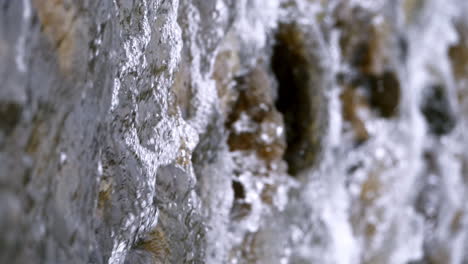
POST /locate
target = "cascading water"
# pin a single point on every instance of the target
(233, 131)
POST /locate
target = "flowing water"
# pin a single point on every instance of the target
(234, 131)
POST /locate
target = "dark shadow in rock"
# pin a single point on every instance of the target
(239, 191)
(10, 114)
(297, 66)
(437, 110)
(240, 208)
(385, 94)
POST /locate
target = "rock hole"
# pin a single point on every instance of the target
(437, 111)
(298, 73)
(239, 191)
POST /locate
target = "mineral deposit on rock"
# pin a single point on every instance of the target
(234, 131)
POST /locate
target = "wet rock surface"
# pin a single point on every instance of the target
(233, 131)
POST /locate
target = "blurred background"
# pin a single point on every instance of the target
(234, 131)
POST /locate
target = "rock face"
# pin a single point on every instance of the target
(233, 131)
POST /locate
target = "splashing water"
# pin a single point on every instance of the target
(234, 131)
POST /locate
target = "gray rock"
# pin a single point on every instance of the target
(233, 131)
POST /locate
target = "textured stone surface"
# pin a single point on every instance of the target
(233, 131)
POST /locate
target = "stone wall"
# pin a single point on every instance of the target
(233, 131)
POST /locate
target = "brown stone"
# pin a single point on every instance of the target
(58, 24)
